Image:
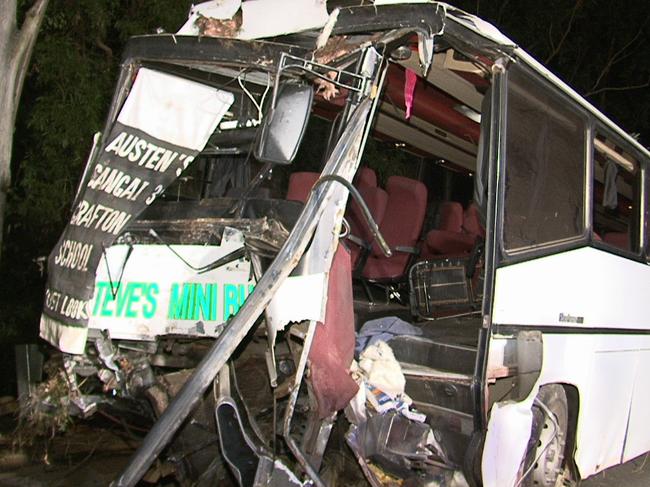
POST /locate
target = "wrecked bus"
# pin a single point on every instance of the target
(482, 312)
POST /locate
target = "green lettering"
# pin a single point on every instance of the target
(202, 302)
(106, 303)
(132, 297)
(150, 295)
(100, 292)
(189, 291)
(213, 308)
(230, 304)
(175, 304)
(122, 296)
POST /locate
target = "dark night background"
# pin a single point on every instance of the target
(600, 47)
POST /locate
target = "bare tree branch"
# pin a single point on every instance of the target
(555, 50)
(619, 88)
(550, 37)
(616, 57)
(8, 25)
(104, 47)
(502, 9)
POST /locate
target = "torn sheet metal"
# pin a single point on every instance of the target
(298, 298)
(259, 18)
(478, 25)
(145, 291)
(506, 442)
(302, 296)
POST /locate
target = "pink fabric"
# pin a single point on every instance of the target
(409, 91)
(300, 184)
(332, 350)
(401, 226)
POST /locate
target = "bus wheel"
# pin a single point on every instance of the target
(544, 462)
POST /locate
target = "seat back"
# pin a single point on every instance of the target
(472, 221)
(401, 227)
(365, 178)
(449, 239)
(300, 184)
(405, 210)
(451, 216)
(376, 199)
(617, 239)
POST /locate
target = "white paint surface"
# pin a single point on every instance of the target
(143, 312)
(638, 438)
(298, 298)
(608, 370)
(608, 291)
(505, 443)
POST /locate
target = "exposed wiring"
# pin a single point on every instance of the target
(346, 228)
(252, 98)
(115, 288)
(236, 254)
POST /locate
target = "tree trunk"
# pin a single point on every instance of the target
(16, 46)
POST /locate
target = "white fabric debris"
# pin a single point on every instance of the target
(382, 370)
(174, 109)
(270, 18)
(355, 411)
(261, 18)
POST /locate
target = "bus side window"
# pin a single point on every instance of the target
(545, 166)
(646, 220)
(616, 194)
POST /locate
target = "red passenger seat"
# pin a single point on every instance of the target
(361, 237)
(401, 227)
(449, 239)
(300, 184)
(365, 178)
(617, 239)
(472, 221)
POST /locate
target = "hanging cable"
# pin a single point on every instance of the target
(226, 259)
(115, 289)
(252, 98)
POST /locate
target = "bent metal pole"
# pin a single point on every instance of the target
(223, 347)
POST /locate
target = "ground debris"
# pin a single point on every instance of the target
(45, 412)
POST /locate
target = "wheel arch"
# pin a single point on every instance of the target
(573, 402)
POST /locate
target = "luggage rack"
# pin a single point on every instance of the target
(439, 284)
(339, 77)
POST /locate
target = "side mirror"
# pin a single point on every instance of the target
(284, 126)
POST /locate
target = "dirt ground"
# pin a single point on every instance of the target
(94, 453)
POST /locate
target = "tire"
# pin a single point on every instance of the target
(544, 463)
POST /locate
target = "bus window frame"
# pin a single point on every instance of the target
(645, 222)
(509, 257)
(640, 195)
